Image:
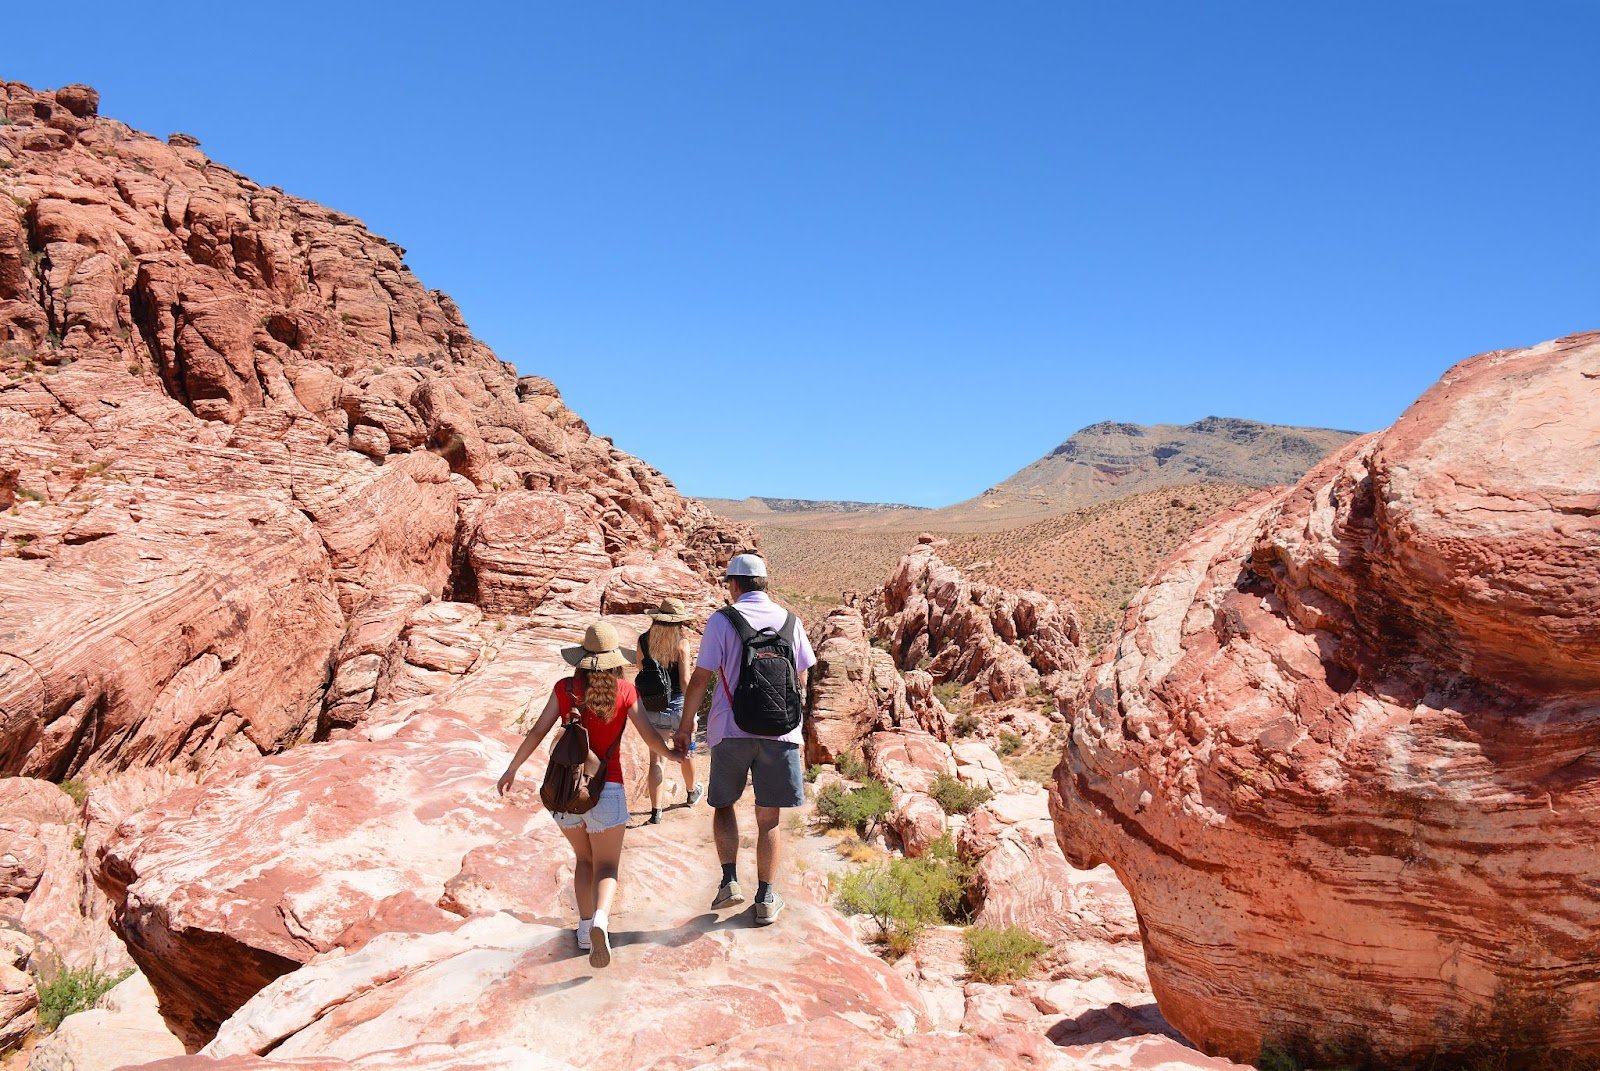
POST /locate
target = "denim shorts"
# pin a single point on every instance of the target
(611, 811)
(773, 766)
(667, 721)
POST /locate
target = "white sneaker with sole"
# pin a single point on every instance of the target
(600, 954)
(728, 894)
(767, 910)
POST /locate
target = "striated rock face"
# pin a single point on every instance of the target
(222, 888)
(855, 689)
(1006, 643)
(228, 419)
(1343, 752)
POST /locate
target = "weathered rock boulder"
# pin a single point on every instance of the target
(219, 889)
(1006, 643)
(1343, 752)
(855, 689)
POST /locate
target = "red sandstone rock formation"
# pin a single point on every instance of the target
(1344, 751)
(1006, 643)
(229, 418)
(855, 689)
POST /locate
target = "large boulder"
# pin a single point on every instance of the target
(1343, 751)
(219, 889)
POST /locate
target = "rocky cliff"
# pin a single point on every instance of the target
(1343, 751)
(230, 418)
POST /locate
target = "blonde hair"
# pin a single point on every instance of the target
(666, 640)
(600, 692)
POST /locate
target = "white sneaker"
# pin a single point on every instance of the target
(582, 934)
(697, 794)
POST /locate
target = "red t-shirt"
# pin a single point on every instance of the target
(602, 734)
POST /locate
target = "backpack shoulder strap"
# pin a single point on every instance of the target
(740, 625)
(786, 630)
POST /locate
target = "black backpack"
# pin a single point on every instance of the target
(653, 684)
(766, 701)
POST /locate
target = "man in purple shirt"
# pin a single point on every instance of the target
(771, 763)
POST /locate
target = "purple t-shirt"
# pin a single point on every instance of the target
(722, 653)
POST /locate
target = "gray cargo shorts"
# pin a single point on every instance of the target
(772, 765)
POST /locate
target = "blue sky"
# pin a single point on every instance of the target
(896, 251)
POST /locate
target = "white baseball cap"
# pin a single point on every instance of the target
(746, 565)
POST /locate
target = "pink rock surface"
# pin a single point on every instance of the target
(908, 761)
(44, 877)
(1341, 752)
(855, 689)
(219, 889)
(685, 980)
(228, 418)
(918, 821)
(1003, 642)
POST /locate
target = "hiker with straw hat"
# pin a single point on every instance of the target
(598, 697)
(664, 659)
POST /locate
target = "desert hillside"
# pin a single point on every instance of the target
(1092, 559)
(757, 508)
(1110, 460)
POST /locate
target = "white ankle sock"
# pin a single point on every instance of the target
(600, 919)
(584, 925)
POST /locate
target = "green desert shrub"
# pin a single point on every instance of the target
(903, 897)
(956, 797)
(859, 809)
(73, 991)
(851, 766)
(76, 789)
(1002, 955)
(1010, 743)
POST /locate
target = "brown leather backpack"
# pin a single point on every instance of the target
(575, 776)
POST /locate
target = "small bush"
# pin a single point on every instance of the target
(851, 766)
(859, 809)
(954, 797)
(903, 897)
(1002, 955)
(76, 789)
(812, 772)
(856, 850)
(1010, 743)
(73, 991)
(29, 493)
(967, 724)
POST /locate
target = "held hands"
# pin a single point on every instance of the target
(680, 742)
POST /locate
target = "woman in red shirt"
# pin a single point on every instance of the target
(605, 703)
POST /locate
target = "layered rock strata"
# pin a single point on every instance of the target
(1007, 644)
(229, 418)
(1343, 751)
(855, 689)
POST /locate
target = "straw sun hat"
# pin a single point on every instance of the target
(600, 649)
(670, 612)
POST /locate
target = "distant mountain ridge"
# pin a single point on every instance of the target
(756, 506)
(1112, 459)
(1099, 463)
